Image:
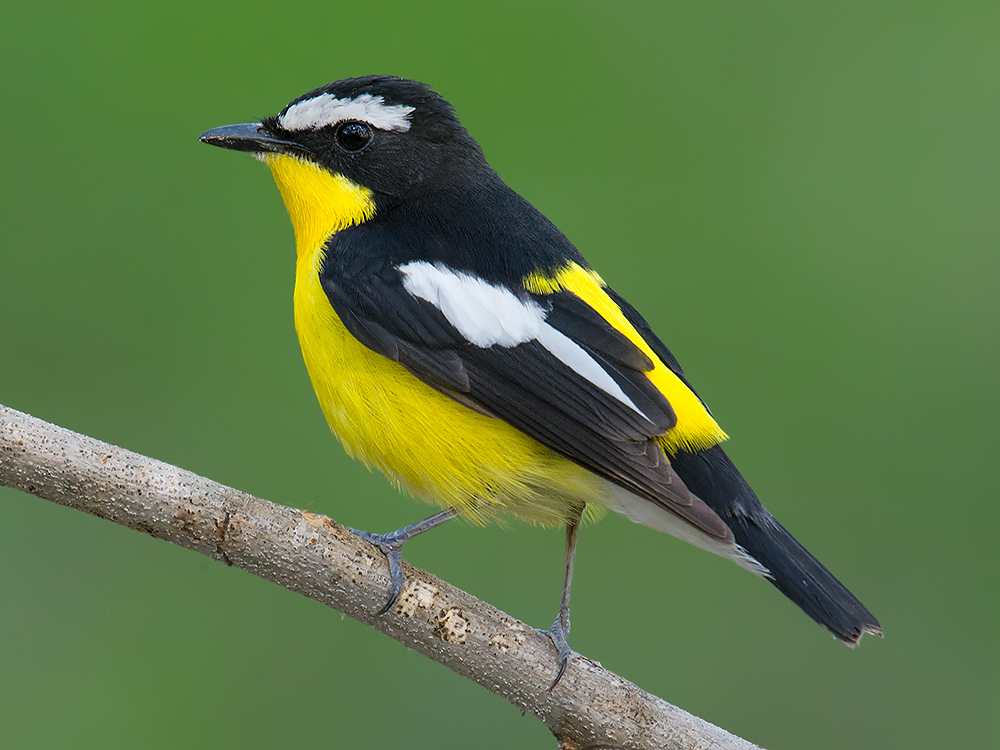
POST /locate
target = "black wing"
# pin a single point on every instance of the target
(609, 431)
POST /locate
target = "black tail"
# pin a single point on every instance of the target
(797, 574)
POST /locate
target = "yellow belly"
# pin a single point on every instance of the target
(425, 442)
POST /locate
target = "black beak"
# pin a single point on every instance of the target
(249, 136)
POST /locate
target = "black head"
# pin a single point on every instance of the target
(391, 135)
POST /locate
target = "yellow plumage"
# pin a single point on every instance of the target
(425, 442)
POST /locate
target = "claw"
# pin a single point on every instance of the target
(558, 633)
(392, 548)
(394, 554)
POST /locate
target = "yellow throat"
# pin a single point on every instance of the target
(319, 202)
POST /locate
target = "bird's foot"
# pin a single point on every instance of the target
(559, 633)
(392, 547)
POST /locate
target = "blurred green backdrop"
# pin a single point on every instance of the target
(802, 199)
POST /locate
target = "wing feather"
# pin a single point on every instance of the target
(609, 430)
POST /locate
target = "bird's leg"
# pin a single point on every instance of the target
(560, 628)
(392, 543)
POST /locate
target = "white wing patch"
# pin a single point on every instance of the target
(483, 313)
(326, 109)
(488, 315)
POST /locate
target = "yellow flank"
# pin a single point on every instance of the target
(425, 442)
(695, 428)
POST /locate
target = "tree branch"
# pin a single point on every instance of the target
(590, 708)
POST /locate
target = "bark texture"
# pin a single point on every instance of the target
(589, 708)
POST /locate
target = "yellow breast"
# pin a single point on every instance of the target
(437, 449)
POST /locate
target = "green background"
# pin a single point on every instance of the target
(802, 198)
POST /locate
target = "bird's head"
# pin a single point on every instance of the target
(347, 150)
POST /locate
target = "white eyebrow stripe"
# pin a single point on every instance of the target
(326, 109)
(488, 315)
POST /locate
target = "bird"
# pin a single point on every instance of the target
(460, 343)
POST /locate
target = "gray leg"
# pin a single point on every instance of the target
(560, 628)
(392, 543)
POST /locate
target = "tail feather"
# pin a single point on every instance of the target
(797, 574)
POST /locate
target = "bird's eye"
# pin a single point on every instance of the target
(353, 136)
